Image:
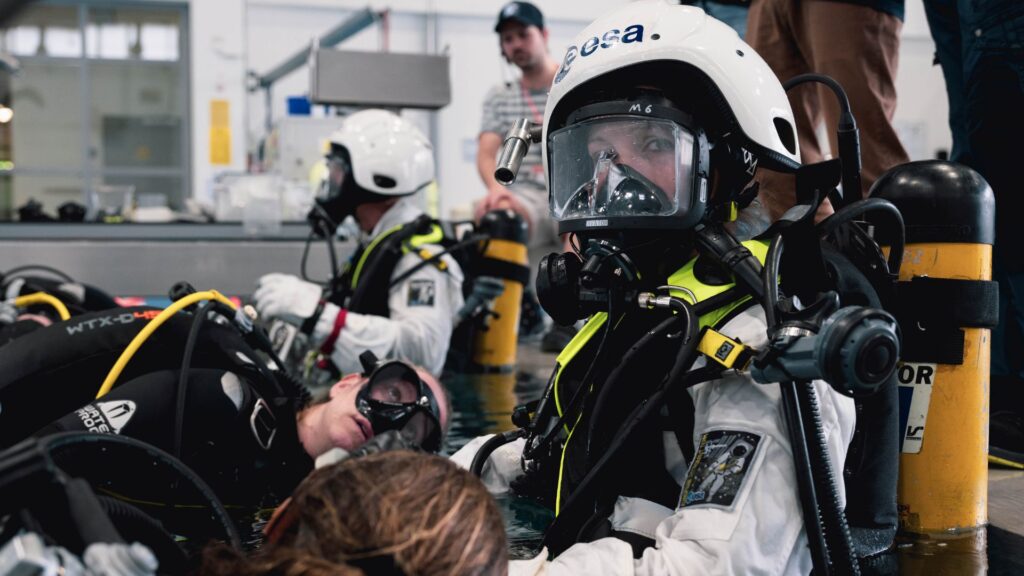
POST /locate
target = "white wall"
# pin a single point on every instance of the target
(231, 36)
(278, 28)
(218, 46)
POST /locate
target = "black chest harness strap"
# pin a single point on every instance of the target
(716, 306)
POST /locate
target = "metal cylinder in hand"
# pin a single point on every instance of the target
(946, 305)
(504, 257)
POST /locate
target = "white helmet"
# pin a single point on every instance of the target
(374, 155)
(648, 99)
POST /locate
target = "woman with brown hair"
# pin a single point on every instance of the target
(400, 512)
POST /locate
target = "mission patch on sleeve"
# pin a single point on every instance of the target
(719, 468)
(421, 293)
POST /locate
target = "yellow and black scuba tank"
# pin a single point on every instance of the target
(946, 304)
(485, 338)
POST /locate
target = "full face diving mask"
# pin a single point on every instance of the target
(396, 398)
(337, 196)
(617, 189)
(611, 168)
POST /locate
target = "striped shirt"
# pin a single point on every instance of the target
(503, 105)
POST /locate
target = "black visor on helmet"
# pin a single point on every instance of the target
(396, 398)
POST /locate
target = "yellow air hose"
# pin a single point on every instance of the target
(151, 327)
(43, 298)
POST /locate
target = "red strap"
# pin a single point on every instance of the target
(339, 323)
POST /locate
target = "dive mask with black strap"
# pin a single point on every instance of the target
(396, 398)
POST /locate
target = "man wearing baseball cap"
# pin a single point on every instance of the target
(523, 40)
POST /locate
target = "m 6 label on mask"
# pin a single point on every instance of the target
(719, 468)
(421, 293)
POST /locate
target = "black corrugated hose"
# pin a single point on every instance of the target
(837, 531)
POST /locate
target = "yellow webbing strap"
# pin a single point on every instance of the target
(724, 350)
(369, 250)
(416, 243)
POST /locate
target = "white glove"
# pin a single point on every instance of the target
(286, 297)
(502, 467)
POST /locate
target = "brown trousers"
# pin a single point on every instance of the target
(856, 45)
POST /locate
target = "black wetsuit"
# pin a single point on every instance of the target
(252, 459)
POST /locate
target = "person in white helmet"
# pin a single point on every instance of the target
(656, 122)
(393, 297)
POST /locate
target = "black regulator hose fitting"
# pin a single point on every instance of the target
(847, 135)
(720, 245)
(558, 287)
(571, 288)
(856, 350)
(492, 444)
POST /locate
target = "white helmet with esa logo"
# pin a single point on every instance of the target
(375, 155)
(653, 106)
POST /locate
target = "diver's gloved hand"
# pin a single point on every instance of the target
(485, 289)
(503, 466)
(385, 442)
(286, 298)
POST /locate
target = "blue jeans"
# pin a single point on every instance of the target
(732, 14)
(980, 45)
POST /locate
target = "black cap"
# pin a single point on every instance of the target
(523, 12)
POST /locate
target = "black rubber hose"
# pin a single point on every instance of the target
(847, 135)
(70, 439)
(722, 247)
(186, 365)
(292, 387)
(305, 259)
(492, 444)
(578, 395)
(13, 272)
(861, 207)
(837, 531)
(770, 276)
(541, 415)
(643, 411)
(328, 234)
(837, 89)
(145, 529)
(605, 392)
(804, 479)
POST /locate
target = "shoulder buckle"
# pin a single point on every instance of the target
(263, 424)
(724, 350)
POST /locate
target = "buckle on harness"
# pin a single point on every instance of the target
(263, 424)
(724, 350)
